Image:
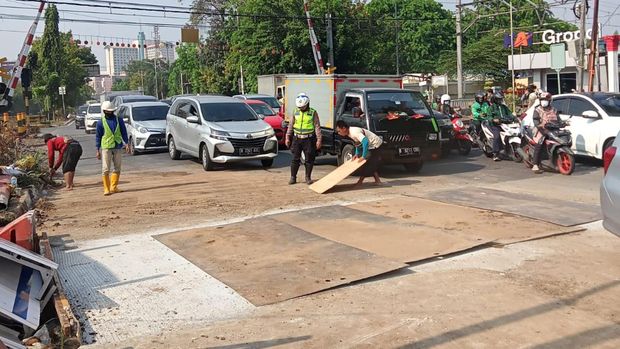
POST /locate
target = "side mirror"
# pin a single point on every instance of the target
(590, 114)
(192, 119)
(261, 116)
(126, 120)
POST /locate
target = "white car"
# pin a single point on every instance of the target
(93, 115)
(610, 188)
(594, 120)
(146, 125)
(218, 129)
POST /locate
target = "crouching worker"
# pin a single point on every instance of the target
(69, 153)
(111, 138)
(367, 145)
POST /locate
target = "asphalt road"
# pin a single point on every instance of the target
(455, 168)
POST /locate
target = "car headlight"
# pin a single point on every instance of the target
(270, 132)
(221, 135)
(432, 136)
(142, 129)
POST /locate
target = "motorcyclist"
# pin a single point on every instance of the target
(444, 105)
(436, 103)
(544, 115)
(498, 112)
(479, 110)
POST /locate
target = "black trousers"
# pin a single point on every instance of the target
(538, 150)
(308, 147)
(497, 142)
(71, 156)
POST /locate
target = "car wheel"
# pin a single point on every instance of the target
(267, 163)
(207, 164)
(172, 149)
(347, 153)
(414, 167)
(132, 148)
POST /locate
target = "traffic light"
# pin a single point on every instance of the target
(4, 72)
(26, 77)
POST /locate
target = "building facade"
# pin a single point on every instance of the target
(117, 59)
(101, 84)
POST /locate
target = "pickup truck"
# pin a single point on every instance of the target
(400, 117)
(375, 102)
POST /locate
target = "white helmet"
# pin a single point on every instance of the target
(108, 106)
(445, 98)
(302, 100)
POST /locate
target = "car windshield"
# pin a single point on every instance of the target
(398, 102)
(94, 109)
(155, 112)
(272, 101)
(82, 110)
(222, 112)
(138, 99)
(262, 109)
(609, 102)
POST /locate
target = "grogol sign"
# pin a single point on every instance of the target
(549, 36)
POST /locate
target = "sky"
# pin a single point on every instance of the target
(12, 32)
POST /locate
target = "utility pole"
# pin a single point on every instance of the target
(242, 82)
(459, 51)
(397, 40)
(582, 45)
(330, 39)
(593, 49)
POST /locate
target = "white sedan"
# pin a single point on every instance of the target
(594, 120)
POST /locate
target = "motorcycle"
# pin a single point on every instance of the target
(555, 149)
(510, 136)
(462, 140)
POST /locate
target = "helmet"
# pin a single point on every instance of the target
(445, 99)
(479, 96)
(545, 95)
(108, 106)
(497, 97)
(302, 100)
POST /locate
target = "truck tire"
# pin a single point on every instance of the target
(346, 154)
(414, 167)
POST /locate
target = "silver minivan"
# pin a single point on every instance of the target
(218, 129)
(610, 188)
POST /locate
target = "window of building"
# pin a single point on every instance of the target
(568, 82)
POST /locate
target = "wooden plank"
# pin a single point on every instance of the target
(336, 176)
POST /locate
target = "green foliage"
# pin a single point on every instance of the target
(141, 75)
(121, 85)
(56, 61)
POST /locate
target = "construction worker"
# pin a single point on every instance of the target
(69, 153)
(111, 138)
(303, 135)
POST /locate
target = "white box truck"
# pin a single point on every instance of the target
(376, 102)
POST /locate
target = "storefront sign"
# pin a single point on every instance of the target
(549, 36)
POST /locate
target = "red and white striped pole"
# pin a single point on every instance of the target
(23, 55)
(316, 48)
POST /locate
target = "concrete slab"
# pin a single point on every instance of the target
(133, 285)
(382, 235)
(268, 261)
(561, 212)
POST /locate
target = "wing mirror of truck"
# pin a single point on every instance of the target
(192, 119)
(590, 114)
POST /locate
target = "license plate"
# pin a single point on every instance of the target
(249, 151)
(408, 151)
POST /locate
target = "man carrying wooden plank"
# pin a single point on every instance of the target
(367, 146)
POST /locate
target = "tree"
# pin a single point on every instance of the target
(424, 30)
(120, 85)
(57, 61)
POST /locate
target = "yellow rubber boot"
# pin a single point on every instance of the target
(106, 185)
(114, 186)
